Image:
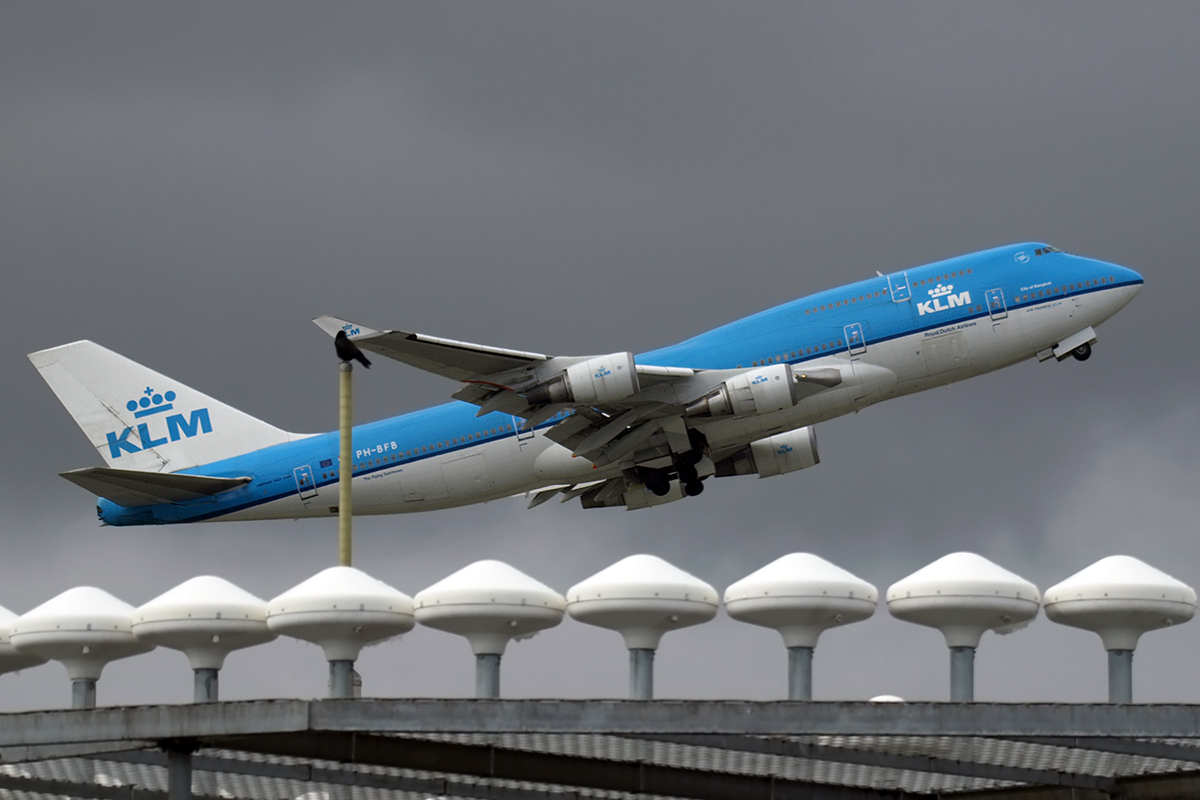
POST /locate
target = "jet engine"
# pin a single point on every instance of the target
(775, 455)
(599, 380)
(757, 391)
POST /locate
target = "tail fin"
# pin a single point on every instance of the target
(138, 419)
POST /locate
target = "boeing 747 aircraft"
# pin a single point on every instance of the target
(612, 430)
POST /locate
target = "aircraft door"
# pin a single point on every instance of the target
(304, 482)
(898, 287)
(854, 339)
(995, 303)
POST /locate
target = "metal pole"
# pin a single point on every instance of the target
(83, 693)
(179, 775)
(487, 676)
(346, 464)
(641, 674)
(1120, 676)
(341, 679)
(962, 674)
(800, 673)
(204, 685)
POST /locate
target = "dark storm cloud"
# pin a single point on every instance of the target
(177, 180)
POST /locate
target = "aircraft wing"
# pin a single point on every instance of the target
(648, 420)
(460, 361)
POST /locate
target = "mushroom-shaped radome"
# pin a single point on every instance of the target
(1120, 598)
(964, 595)
(801, 595)
(489, 603)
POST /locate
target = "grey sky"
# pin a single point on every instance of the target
(189, 184)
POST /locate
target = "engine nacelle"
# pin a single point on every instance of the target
(757, 391)
(775, 455)
(599, 380)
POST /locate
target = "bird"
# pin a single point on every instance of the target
(348, 350)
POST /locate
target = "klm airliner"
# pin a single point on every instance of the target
(611, 430)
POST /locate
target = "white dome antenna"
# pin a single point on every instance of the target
(206, 618)
(801, 596)
(642, 597)
(1120, 598)
(84, 629)
(342, 610)
(489, 603)
(11, 660)
(964, 595)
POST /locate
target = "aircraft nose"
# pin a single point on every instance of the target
(1124, 275)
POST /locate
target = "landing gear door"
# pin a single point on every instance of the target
(304, 482)
(995, 303)
(854, 339)
(898, 287)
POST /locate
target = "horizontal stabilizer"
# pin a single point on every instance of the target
(129, 488)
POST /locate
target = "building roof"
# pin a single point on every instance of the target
(549, 749)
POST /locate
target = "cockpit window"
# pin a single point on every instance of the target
(1044, 251)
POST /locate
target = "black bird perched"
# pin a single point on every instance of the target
(348, 350)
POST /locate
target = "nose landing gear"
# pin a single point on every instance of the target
(1083, 352)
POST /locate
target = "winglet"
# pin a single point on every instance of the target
(332, 325)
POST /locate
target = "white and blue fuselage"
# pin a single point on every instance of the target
(887, 336)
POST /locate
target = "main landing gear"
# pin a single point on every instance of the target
(658, 481)
(1083, 352)
(685, 465)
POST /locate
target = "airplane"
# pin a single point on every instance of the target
(614, 430)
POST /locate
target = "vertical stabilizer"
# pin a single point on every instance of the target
(139, 419)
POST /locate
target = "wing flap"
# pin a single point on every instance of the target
(127, 487)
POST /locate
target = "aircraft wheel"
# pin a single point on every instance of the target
(687, 473)
(1083, 352)
(659, 489)
(693, 488)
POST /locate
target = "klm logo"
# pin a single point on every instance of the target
(759, 379)
(943, 299)
(603, 372)
(784, 449)
(154, 408)
(351, 330)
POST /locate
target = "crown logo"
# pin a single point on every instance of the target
(151, 402)
(941, 291)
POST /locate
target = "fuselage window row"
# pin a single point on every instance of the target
(424, 449)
